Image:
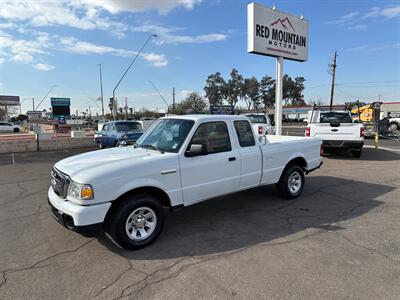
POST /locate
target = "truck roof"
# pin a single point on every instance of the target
(209, 117)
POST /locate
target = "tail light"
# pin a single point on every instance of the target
(362, 130)
(321, 150)
(308, 131)
(260, 130)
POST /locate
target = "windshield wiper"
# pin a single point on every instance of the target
(149, 146)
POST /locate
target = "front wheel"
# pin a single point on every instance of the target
(291, 183)
(136, 222)
(16, 130)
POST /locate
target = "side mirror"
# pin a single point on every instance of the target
(196, 150)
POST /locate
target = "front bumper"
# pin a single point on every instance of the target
(343, 144)
(87, 220)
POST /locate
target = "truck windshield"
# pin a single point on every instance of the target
(335, 117)
(257, 119)
(166, 135)
(128, 127)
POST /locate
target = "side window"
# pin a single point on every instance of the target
(244, 133)
(214, 135)
(105, 127)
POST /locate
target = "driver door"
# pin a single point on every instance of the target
(213, 174)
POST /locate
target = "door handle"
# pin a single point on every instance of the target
(232, 158)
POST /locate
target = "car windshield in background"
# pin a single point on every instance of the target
(128, 127)
(257, 119)
(335, 117)
(166, 135)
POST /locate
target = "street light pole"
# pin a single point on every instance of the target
(154, 87)
(43, 98)
(101, 93)
(126, 71)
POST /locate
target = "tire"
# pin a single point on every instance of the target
(129, 221)
(356, 153)
(116, 144)
(16, 130)
(101, 146)
(291, 183)
(393, 127)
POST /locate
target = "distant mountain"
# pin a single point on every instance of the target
(283, 22)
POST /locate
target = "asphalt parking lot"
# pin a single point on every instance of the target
(340, 239)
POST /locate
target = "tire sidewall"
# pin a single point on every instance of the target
(121, 214)
(283, 185)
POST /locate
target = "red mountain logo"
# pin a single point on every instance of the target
(283, 22)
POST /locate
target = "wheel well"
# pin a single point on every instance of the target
(299, 161)
(157, 193)
(391, 123)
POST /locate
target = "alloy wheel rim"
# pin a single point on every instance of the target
(294, 182)
(141, 223)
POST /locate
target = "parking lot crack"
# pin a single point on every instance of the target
(349, 240)
(37, 265)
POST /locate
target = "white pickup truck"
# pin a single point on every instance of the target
(261, 124)
(337, 130)
(178, 161)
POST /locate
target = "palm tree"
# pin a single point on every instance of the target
(121, 110)
(131, 111)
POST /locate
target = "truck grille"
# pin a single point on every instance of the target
(59, 183)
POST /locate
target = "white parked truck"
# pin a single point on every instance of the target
(178, 161)
(337, 130)
(261, 124)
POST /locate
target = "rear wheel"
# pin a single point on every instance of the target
(136, 222)
(291, 183)
(16, 130)
(393, 127)
(356, 153)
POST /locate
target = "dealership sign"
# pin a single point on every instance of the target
(9, 100)
(273, 33)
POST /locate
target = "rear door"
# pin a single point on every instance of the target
(250, 155)
(216, 173)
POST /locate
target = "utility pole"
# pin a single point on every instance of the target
(332, 71)
(101, 93)
(173, 100)
(33, 104)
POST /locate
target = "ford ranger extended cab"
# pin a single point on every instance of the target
(178, 161)
(337, 130)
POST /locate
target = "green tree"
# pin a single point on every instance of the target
(193, 103)
(267, 91)
(214, 88)
(232, 88)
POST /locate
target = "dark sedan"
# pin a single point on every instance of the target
(118, 133)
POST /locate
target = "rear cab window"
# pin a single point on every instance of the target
(244, 133)
(335, 117)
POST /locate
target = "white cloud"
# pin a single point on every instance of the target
(357, 27)
(44, 67)
(167, 35)
(73, 45)
(353, 19)
(162, 6)
(2, 60)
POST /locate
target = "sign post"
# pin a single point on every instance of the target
(277, 34)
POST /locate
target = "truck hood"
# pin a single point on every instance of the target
(94, 161)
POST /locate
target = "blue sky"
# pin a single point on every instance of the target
(46, 43)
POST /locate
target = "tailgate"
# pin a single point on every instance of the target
(339, 132)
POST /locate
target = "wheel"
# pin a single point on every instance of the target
(16, 130)
(101, 146)
(291, 183)
(356, 153)
(393, 127)
(116, 144)
(136, 221)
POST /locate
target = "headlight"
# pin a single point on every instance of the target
(80, 191)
